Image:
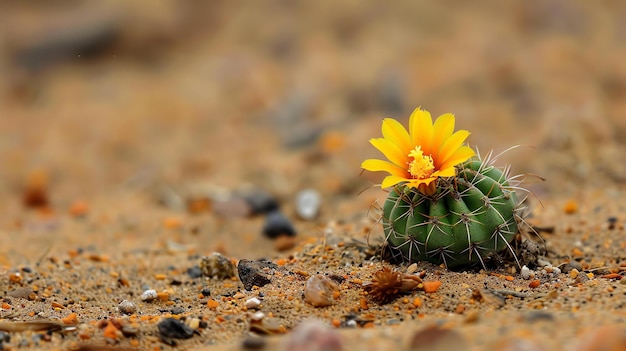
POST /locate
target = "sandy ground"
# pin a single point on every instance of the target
(123, 165)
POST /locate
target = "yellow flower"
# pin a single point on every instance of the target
(421, 155)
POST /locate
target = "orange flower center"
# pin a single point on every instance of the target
(422, 166)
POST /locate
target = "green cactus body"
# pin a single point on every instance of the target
(471, 216)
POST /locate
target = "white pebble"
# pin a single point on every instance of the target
(411, 269)
(253, 303)
(257, 316)
(351, 323)
(149, 295)
(526, 272)
(308, 204)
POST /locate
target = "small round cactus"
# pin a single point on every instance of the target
(471, 216)
(446, 205)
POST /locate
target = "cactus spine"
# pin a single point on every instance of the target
(470, 217)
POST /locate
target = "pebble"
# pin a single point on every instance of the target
(149, 295)
(308, 204)
(253, 303)
(255, 273)
(193, 323)
(313, 335)
(194, 272)
(129, 331)
(217, 266)
(436, 339)
(257, 316)
(253, 343)
(527, 273)
(260, 202)
(171, 328)
(413, 268)
(21, 293)
(319, 291)
(127, 307)
(276, 224)
(569, 266)
(574, 273)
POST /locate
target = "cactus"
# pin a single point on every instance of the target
(446, 204)
(470, 217)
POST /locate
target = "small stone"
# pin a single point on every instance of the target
(436, 338)
(217, 266)
(194, 272)
(581, 278)
(205, 292)
(171, 328)
(127, 307)
(612, 221)
(411, 269)
(4, 337)
(313, 335)
(351, 323)
(574, 273)
(527, 273)
(253, 303)
(257, 316)
(319, 291)
(21, 293)
(253, 343)
(129, 331)
(255, 273)
(566, 268)
(235, 207)
(193, 323)
(308, 204)
(149, 295)
(276, 224)
(260, 202)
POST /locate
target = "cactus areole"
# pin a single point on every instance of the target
(469, 218)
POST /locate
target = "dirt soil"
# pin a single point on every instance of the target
(134, 139)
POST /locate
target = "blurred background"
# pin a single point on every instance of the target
(284, 95)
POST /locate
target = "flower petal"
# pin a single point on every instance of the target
(421, 129)
(445, 172)
(391, 151)
(442, 130)
(461, 154)
(392, 180)
(451, 145)
(397, 134)
(380, 165)
(414, 183)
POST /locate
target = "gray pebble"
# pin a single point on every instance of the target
(276, 224)
(148, 295)
(569, 266)
(308, 204)
(253, 343)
